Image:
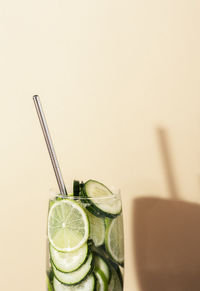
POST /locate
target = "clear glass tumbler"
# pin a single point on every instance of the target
(85, 240)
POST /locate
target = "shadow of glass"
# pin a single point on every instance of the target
(166, 234)
(167, 244)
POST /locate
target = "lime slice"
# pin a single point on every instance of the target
(68, 226)
(97, 229)
(114, 240)
(51, 203)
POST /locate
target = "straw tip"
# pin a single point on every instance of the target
(35, 97)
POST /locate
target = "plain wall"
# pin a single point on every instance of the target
(120, 85)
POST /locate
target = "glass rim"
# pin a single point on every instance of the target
(80, 197)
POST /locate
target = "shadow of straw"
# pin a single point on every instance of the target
(167, 236)
(163, 142)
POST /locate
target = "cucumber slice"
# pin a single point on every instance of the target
(76, 188)
(49, 285)
(114, 240)
(116, 282)
(102, 283)
(100, 251)
(86, 285)
(104, 202)
(97, 229)
(70, 261)
(107, 221)
(77, 276)
(92, 209)
(50, 274)
(101, 264)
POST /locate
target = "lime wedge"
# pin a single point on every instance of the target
(114, 240)
(97, 229)
(68, 226)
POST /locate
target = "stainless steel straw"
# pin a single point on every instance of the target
(49, 144)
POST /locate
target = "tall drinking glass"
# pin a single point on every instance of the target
(85, 232)
(85, 240)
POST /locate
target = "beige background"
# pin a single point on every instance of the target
(119, 81)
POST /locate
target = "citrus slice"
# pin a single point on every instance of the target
(97, 229)
(114, 240)
(68, 226)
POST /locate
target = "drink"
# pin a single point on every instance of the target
(85, 232)
(85, 240)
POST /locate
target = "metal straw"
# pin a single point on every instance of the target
(49, 144)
